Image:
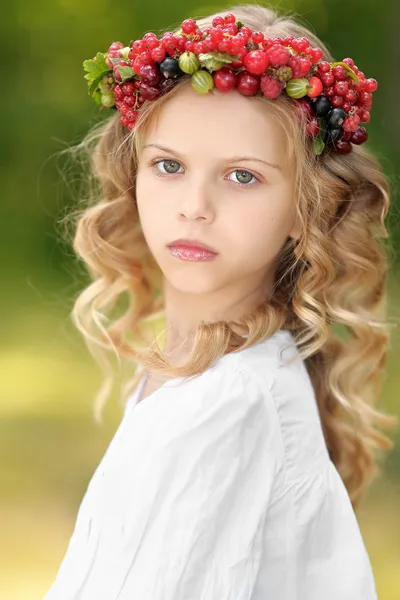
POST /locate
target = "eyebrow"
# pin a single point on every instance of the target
(232, 159)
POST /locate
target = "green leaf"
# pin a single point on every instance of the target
(94, 85)
(213, 61)
(318, 145)
(239, 24)
(126, 72)
(97, 97)
(95, 69)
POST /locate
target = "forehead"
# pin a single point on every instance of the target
(218, 124)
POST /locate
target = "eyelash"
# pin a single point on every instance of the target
(157, 161)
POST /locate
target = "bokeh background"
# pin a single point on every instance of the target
(50, 444)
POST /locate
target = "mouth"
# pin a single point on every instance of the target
(192, 253)
(194, 245)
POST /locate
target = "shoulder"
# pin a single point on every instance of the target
(278, 366)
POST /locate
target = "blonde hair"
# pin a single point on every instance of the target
(333, 277)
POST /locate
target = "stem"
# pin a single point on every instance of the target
(350, 71)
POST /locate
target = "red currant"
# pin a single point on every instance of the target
(324, 66)
(145, 57)
(118, 91)
(329, 92)
(230, 18)
(365, 116)
(256, 62)
(337, 101)
(129, 100)
(217, 21)
(246, 32)
(188, 26)
(128, 88)
(316, 55)
(257, 37)
(351, 96)
(341, 88)
(328, 78)
(158, 54)
(339, 73)
(349, 61)
(199, 48)
(371, 85)
(224, 45)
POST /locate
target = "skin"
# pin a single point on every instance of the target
(197, 194)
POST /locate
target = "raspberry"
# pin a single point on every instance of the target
(278, 55)
(298, 66)
(351, 123)
(271, 87)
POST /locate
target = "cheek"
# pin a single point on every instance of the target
(259, 233)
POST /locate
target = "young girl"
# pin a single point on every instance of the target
(236, 200)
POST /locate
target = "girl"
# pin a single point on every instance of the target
(237, 201)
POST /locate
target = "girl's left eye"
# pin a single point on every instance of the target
(243, 177)
(170, 167)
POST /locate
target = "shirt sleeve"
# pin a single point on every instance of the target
(179, 510)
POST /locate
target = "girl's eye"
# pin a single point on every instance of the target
(243, 177)
(170, 166)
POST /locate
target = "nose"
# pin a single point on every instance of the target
(197, 202)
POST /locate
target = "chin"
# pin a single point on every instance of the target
(191, 282)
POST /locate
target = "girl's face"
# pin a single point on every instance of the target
(214, 169)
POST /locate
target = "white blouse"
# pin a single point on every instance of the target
(219, 487)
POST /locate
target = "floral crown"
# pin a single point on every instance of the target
(333, 97)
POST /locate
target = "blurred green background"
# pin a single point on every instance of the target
(50, 444)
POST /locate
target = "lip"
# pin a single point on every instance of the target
(194, 244)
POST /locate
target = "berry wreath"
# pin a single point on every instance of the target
(334, 97)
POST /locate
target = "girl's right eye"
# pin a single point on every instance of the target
(169, 166)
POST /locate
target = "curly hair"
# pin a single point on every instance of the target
(329, 288)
